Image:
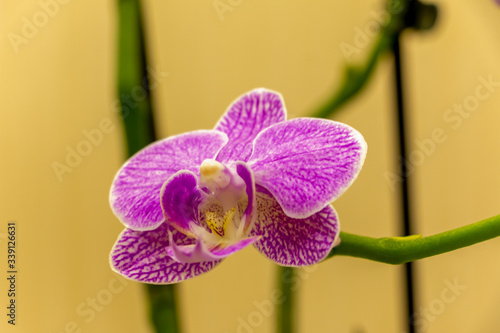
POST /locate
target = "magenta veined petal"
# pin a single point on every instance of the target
(294, 242)
(247, 116)
(307, 162)
(135, 193)
(142, 256)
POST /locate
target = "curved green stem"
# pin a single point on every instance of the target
(356, 77)
(399, 250)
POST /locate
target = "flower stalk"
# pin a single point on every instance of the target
(139, 131)
(163, 311)
(355, 78)
(400, 250)
(285, 314)
(402, 14)
(136, 114)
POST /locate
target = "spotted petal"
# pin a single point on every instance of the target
(246, 117)
(294, 242)
(141, 256)
(306, 162)
(135, 193)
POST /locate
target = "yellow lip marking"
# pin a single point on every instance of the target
(218, 223)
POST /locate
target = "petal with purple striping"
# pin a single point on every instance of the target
(306, 162)
(135, 193)
(294, 242)
(246, 117)
(142, 256)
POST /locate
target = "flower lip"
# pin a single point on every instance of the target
(220, 221)
(200, 252)
(230, 211)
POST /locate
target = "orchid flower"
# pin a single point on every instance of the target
(193, 199)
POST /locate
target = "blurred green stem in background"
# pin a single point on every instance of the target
(285, 313)
(136, 113)
(401, 14)
(400, 250)
(355, 79)
(164, 315)
(137, 116)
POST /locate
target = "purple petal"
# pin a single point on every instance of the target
(135, 193)
(180, 198)
(141, 256)
(200, 253)
(306, 163)
(250, 212)
(294, 242)
(246, 117)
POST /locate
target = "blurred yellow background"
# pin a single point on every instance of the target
(59, 82)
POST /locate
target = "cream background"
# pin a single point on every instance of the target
(62, 82)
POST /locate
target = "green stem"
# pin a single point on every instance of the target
(355, 79)
(136, 112)
(164, 314)
(286, 310)
(356, 76)
(400, 250)
(137, 116)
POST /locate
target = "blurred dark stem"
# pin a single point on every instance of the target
(137, 115)
(417, 16)
(406, 203)
(403, 14)
(285, 314)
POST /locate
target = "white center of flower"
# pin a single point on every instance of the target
(225, 201)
